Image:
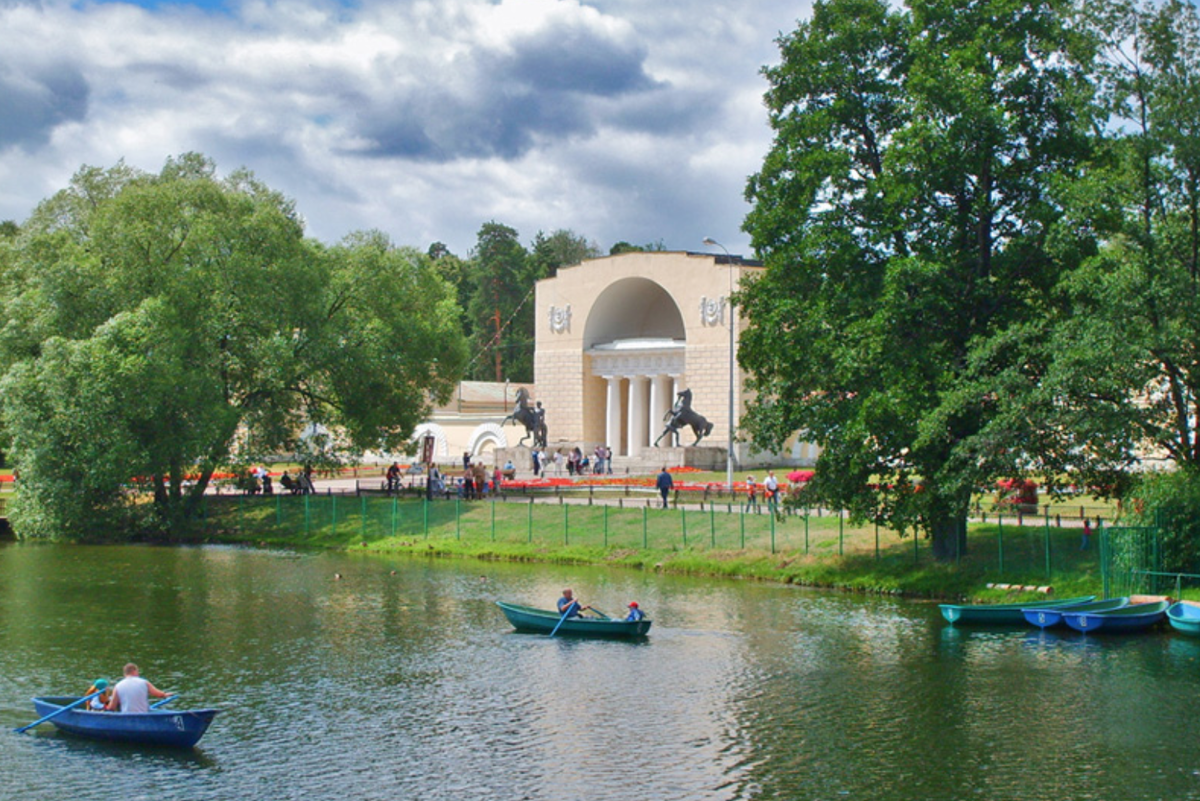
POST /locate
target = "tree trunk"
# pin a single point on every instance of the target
(949, 537)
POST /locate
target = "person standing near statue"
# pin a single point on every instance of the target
(665, 484)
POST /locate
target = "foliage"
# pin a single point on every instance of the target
(1171, 501)
(563, 248)
(157, 326)
(907, 214)
(1125, 371)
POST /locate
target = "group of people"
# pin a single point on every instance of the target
(771, 492)
(130, 694)
(569, 606)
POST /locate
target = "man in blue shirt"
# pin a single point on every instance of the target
(665, 485)
(568, 606)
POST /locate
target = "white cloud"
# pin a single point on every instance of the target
(620, 119)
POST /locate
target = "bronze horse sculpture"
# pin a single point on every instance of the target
(534, 420)
(682, 414)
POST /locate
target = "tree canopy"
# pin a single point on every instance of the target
(910, 216)
(159, 326)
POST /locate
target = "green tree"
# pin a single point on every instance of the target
(501, 308)
(158, 326)
(562, 248)
(1125, 372)
(906, 215)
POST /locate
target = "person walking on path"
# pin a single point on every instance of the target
(665, 484)
(771, 487)
(1087, 534)
(751, 494)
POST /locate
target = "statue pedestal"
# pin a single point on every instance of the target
(703, 457)
(521, 456)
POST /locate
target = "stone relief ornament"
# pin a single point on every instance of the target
(560, 318)
(712, 310)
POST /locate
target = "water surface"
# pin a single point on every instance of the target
(402, 680)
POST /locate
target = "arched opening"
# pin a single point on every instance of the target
(633, 308)
(634, 344)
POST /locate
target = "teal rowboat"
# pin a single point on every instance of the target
(1044, 618)
(542, 621)
(1185, 618)
(1134, 617)
(1004, 614)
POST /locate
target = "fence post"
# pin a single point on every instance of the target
(457, 519)
(876, 536)
(530, 540)
(645, 541)
(566, 525)
(683, 523)
(394, 510)
(772, 532)
(841, 533)
(1000, 538)
(493, 517)
(712, 519)
(307, 513)
(241, 514)
(278, 510)
(606, 525)
(425, 515)
(363, 517)
(1047, 538)
(806, 531)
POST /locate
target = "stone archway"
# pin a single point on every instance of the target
(635, 342)
(483, 435)
(441, 448)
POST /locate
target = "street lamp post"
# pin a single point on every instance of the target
(732, 324)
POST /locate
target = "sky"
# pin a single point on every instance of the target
(633, 120)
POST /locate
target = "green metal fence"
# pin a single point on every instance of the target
(1001, 547)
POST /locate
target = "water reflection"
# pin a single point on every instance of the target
(402, 679)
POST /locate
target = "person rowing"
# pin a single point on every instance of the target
(133, 693)
(568, 605)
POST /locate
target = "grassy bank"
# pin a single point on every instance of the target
(817, 551)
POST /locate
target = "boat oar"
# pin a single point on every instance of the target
(601, 614)
(566, 613)
(164, 701)
(58, 712)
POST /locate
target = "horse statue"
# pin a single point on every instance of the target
(682, 414)
(534, 419)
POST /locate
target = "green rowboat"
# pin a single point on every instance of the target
(542, 621)
(1004, 614)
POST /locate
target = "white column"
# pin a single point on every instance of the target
(638, 414)
(612, 413)
(660, 403)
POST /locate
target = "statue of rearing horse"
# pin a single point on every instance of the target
(682, 414)
(534, 419)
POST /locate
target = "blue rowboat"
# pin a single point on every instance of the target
(1004, 614)
(1184, 617)
(1045, 618)
(528, 618)
(1134, 617)
(175, 728)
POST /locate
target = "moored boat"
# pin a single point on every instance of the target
(1004, 614)
(1044, 618)
(542, 621)
(1184, 617)
(1134, 617)
(175, 728)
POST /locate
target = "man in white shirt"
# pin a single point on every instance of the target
(133, 693)
(771, 488)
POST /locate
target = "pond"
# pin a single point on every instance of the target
(402, 679)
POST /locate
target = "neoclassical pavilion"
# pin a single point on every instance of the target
(618, 337)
